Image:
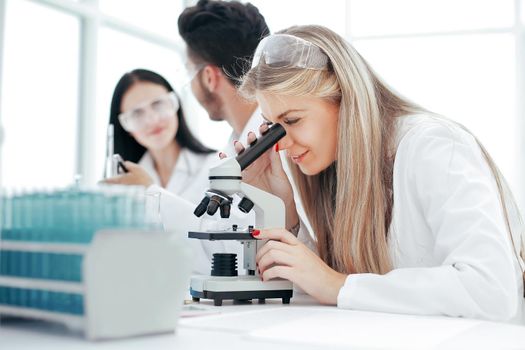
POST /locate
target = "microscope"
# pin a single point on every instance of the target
(226, 181)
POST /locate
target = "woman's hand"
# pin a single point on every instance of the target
(267, 174)
(136, 175)
(286, 257)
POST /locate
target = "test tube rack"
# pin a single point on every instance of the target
(119, 281)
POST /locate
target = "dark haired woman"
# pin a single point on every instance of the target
(161, 153)
(150, 129)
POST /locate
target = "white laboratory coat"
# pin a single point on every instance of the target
(451, 251)
(189, 173)
(183, 192)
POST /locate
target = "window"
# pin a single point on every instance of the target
(156, 16)
(387, 17)
(283, 14)
(39, 100)
(60, 57)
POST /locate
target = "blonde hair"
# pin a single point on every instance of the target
(350, 203)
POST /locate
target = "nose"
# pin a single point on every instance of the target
(153, 117)
(285, 143)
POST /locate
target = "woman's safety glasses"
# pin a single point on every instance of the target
(288, 51)
(137, 118)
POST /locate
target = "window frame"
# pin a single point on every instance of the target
(91, 20)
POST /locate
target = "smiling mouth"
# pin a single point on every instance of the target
(299, 157)
(156, 131)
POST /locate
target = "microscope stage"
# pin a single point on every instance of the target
(222, 235)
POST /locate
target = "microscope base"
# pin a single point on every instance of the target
(241, 288)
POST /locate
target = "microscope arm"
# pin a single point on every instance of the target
(269, 209)
(269, 213)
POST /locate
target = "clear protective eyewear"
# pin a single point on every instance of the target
(288, 51)
(164, 107)
(191, 71)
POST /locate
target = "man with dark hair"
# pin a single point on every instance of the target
(221, 38)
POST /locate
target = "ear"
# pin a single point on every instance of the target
(212, 76)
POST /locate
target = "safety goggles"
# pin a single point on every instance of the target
(162, 107)
(288, 51)
(190, 71)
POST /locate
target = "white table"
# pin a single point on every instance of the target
(301, 325)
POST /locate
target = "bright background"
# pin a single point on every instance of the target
(60, 60)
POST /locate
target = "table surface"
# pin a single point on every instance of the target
(303, 324)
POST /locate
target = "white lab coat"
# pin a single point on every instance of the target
(186, 189)
(183, 192)
(451, 251)
(189, 173)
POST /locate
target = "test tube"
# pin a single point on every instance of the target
(17, 219)
(3, 262)
(7, 217)
(3, 295)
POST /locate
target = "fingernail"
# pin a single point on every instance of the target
(256, 232)
(276, 147)
(235, 142)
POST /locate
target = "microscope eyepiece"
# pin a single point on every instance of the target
(261, 145)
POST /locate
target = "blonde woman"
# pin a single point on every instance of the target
(409, 211)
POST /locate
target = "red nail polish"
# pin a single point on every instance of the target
(276, 147)
(256, 232)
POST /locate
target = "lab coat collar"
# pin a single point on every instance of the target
(253, 125)
(182, 165)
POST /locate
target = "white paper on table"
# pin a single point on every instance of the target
(242, 322)
(369, 330)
